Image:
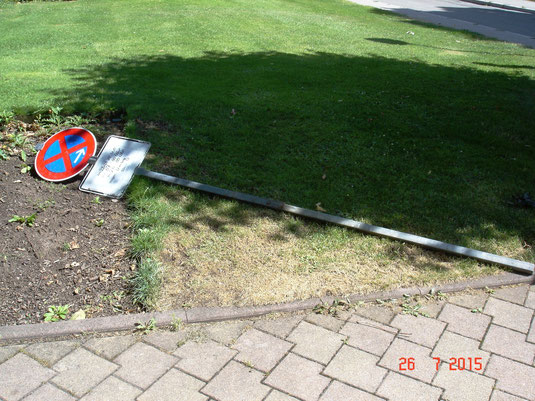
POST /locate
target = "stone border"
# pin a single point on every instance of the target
(500, 5)
(215, 314)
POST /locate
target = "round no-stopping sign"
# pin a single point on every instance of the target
(65, 154)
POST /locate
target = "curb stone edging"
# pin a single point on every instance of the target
(499, 5)
(216, 314)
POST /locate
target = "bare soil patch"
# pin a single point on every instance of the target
(75, 253)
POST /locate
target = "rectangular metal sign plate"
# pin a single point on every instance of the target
(115, 166)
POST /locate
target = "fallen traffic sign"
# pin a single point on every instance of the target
(65, 154)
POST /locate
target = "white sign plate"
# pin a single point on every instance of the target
(115, 166)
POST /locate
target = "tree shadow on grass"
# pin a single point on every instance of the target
(428, 149)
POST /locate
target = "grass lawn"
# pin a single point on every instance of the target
(305, 101)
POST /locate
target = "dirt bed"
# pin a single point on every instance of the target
(74, 253)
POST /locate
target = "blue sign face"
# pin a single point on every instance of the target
(76, 157)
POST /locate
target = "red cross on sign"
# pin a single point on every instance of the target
(65, 154)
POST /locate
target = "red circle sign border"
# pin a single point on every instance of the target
(89, 141)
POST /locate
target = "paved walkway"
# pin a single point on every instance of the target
(474, 346)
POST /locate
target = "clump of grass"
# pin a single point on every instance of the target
(146, 282)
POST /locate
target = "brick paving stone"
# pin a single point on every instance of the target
(21, 375)
(8, 351)
(315, 342)
(463, 321)
(175, 386)
(397, 387)
(237, 382)
(367, 338)
(508, 343)
(470, 301)
(203, 360)
(81, 370)
(112, 389)
(278, 396)
(530, 300)
(261, 350)
(357, 368)
(142, 364)
(49, 353)
(47, 392)
(512, 377)
(510, 315)
(299, 377)
(462, 385)
(498, 395)
(372, 323)
(453, 345)
(418, 329)
(515, 294)
(342, 392)
(226, 332)
(425, 366)
(374, 312)
(110, 347)
(166, 340)
(326, 321)
(279, 327)
(432, 309)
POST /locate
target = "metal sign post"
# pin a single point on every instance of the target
(120, 158)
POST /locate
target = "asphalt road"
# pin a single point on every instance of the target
(513, 25)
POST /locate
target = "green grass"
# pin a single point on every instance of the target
(430, 133)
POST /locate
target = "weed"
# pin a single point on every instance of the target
(176, 324)
(3, 155)
(24, 169)
(98, 222)
(42, 206)
(249, 364)
(26, 220)
(66, 247)
(146, 283)
(6, 117)
(96, 200)
(414, 310)
(477, 310)
(56, 313)
(334, 308)
(489, 290)
(146, 327)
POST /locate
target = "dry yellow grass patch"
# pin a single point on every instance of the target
(227, 254)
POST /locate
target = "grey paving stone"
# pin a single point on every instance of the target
(21, 375)
(261, 350)
(498, 395)
(280, 327)
(367, 338)
(110, 347)
(48, 353)
(531, 334)
(378, 313)
(226, 332)
(372, 323)
(142, 364)
(338, 391)
(530, 300)
(315, 342)
(508, 343)
(512, 377)
(462, 321)
(418, 329)
(175, 386)
(462, 385)
(47, 392)
(81, 370)
(112, 389)
(453, 345)
(397, 387)
(166, 340)
(203, 360)
(516, 294)
(425, 366)
(510, 315)
(7, 351)
(278, 396)
(326, 321)
(237, 382)
(470, 301)
(357, 368)
(432, 309)
(299, 377)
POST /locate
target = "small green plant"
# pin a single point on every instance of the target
(414, 310)
(98, 222)
(146, 283)
(96, 200)
(334, 308)
(146, 327)
(6, 117)
(56, 313)
(3, 155)
(477, 310)
(176, 324)
(489, 290)
(45, 204)
(26, 220)
(24, 169)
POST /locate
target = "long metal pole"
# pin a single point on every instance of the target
(517, 265)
